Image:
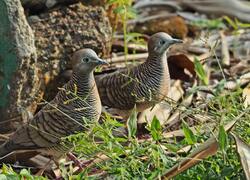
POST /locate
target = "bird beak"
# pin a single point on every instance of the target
(101, 62)
(176, 41)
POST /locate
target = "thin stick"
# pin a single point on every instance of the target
(224, 50)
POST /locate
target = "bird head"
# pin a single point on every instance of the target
(85, 61)
(160, 42)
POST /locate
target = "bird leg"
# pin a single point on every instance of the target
(73, 158)
(41, 171)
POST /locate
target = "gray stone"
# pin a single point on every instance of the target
(20, 84)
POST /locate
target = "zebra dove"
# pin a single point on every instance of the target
(74, 105)
(144, 85)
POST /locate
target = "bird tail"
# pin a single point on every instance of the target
(4, 151)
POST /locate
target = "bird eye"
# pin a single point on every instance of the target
(85, 60)
(162, 42)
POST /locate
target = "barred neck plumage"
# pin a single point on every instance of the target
(81, 85)
(154, 78)
(84, 82)
(157, 61)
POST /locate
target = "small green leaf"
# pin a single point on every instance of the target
(13, 177)
(26, 173)
(132, 123)
(210, 23)
(200, 71)
(189, 135)
(4, 169)
(223, 138)
(7, 170)
(172, 147)
(155, 129)
(121, 140)
(3, 177)
(155, 124)
(113, 1)
(243, 25)
(120, 10)
(155, 174)
(131, 12)
(231, 22)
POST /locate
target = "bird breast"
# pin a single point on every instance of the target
(154, 85)
(80, 105)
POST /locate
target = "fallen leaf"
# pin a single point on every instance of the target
(240, 68)
(246, 96)
(245, 78)
(243, 150)
(177, 65)
(175, 117)
(163, 110)
(208, 148)
(224, 49)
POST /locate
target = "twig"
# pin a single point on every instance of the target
(224, 50)
(144, 4)
(5, 137)
(149, 18)
(131, 46)
(130, 57)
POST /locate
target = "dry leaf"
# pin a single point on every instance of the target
(177, 65)
(175, 117)
(208, 148)
(239, 68)
(245, 78)
(224, 50)
(246, 96)
(162, 110)
(243, 150)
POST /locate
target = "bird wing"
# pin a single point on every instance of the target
(45, 130)
(115, 89)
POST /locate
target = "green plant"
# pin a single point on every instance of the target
(225, 164)
(236, 24)
(125, 11)
(8, 173)
(200, 71)
(210, 23)
(106, 151)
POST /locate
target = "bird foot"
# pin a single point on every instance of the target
(76, 161)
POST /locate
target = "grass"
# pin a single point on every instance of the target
(209, 23)
(124, 11)
(224, 165)
(127, 157)
(130, 158)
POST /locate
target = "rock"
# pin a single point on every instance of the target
(61, 32)
(50, 3)
(19, 85)
(173, 25)
(37, 6)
